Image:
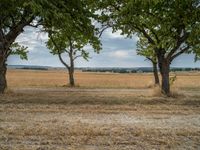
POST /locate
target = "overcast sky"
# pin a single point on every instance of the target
(117, 51)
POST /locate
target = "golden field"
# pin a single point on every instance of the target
(107, 112)
(59, 78)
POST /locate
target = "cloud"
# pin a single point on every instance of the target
(117, 51)
(115, 35)
(109, 34)
(120, 54)
(32, 38)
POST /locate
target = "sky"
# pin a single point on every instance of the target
(117, 51)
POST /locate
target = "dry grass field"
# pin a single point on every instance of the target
(107, 112)
(59, 78)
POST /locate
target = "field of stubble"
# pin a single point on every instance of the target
(107, 111)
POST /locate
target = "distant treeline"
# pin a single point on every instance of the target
(112, 70)
(27, 67)
(134, 70)
(32, 68)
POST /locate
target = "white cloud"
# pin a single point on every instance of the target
(32, 34)
(135, 38)
(42, 36)
(117, 51)
(116, 35)
(109, 35)
(33, 39)
(119, 54)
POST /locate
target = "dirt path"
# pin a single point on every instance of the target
(111, 91)
(104, 119)
(120, 118)
(52, 127)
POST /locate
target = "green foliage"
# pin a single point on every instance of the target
(60, 41)
(171, 27)
(172, 79)
(19, 50)
(73, 39)
(146, 50)
(74, 17)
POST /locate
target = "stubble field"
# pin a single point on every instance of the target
(106, 111)
(59, 78)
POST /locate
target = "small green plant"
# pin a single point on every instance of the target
(172, 79)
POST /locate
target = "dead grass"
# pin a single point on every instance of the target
(88, 120)
(59, 78)
(175, 92)
(110, 121)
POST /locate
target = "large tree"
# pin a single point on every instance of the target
(70, 46)
(15, 15)
(170, 27)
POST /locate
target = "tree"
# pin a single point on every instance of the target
(170, 27)
(196, 43)
(150, 55)
(15, 15)
(73, 45)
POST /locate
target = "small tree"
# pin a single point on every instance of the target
(150, 55)
(72, 46)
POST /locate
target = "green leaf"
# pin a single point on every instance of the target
(19, 50)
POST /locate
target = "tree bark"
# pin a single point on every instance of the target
(3, 81)
(165, 78)
(155, 72)
(164, 66)
(3, 66)
(71, 68)
(6, 41)
(71, 77)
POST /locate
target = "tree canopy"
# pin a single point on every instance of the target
(47, 13)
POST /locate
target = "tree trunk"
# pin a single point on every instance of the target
(71, 77)
(3, 81)
(165, 78)
(155, 71)
(71, 68)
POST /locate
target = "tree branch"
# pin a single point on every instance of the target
(59, 54)
(77, 57)
(66, 51)
(150, 40)
(101, 32)
(150, 59)
(153, 32)
(180, 40)
(62, 61)
(70, 46)
(13, 20)
(2, 36)
(16, 30)
(179, 53)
